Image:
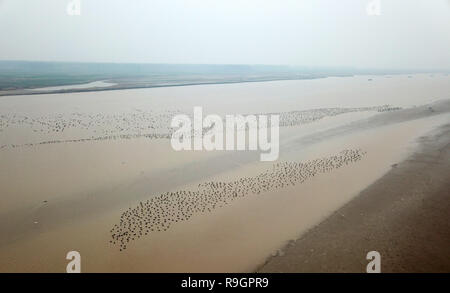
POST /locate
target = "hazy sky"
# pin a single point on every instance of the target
(407, 34)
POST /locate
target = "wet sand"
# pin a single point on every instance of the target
(404, 216)
(83, 195)
(237, 237)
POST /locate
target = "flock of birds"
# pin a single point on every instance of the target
(82, 127)
(137, 121)
(294, 118)
(160, 212)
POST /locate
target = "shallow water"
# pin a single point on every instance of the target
(94, 84)
(66, 196)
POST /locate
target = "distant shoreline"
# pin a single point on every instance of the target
(35, 78)
(27, 92)
(118, 86)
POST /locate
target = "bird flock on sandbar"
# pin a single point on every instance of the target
(85, 127)
(102, 124)
(294, 118)
(160, 212)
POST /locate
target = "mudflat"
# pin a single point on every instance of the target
(403, 215)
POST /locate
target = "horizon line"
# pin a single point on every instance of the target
(346, 67)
